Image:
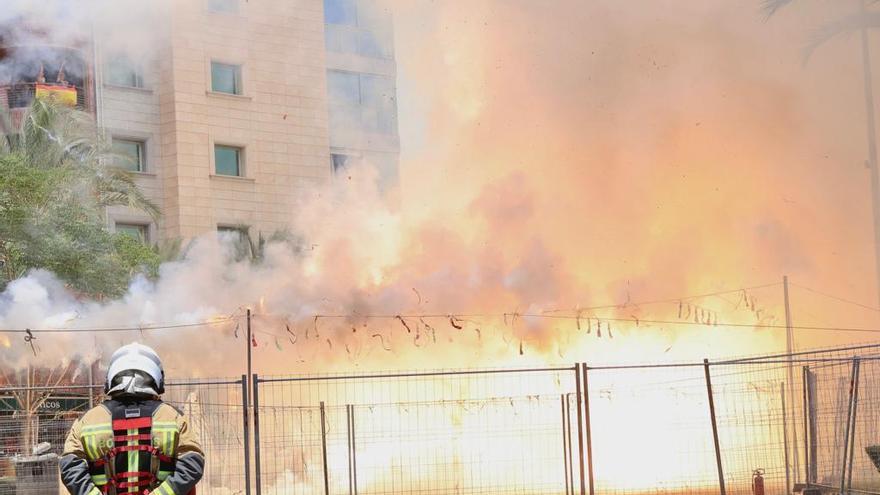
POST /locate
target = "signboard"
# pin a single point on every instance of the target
(53, 404)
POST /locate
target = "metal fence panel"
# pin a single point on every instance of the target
(214, 409)
(802, 418)
(651, 431)
(757, 416)
(468, 431)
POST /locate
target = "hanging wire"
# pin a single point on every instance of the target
(142, 328)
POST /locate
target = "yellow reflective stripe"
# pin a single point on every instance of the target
(99, 426)
(87, 442)
(161, 475)
(94, 491)
(90, 445)
(90, 435)
(166, 489)
(167, 430)
(133, 458)
(99, 479)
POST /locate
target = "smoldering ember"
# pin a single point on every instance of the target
(293, 247)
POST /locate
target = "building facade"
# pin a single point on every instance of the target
(361, 87)
(235, 108)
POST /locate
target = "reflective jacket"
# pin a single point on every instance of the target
(152, 450)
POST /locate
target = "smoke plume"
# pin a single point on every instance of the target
(555, 157)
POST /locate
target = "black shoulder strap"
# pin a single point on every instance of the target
(131, 407)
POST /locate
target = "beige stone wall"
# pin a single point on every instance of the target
(133, 113)
(280, 120)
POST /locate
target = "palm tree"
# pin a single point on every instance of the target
(57, 176)
(53, 135)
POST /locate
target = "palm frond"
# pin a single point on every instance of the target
(845, 25)
(117, 187)
(56, 136)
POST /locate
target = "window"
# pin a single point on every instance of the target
(137, 231)
(343, 88)
(339, 162)
(340, 12)
(129, 154)
(377, 100)
(230, 6)
(227, 160)
(362, 102)
(225, 78)
(352, 28)
(238, 237)
(122, 71)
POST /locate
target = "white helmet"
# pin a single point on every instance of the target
(136, 356)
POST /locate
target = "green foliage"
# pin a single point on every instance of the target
(55, 181)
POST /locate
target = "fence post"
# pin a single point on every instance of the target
(714, 428)
(570, 444)
(248, 349)
(588, 426)
(562, 402)
(324, 449)
(352, 452)
(247, 435)
(812, 394)
(785, 438)
(257, 468)
(805, 377)
(857, 363)
(348, 435)
(580, 427)
(849, 412)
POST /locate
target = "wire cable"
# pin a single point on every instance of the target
(665, 301)
(836, 298)
(145, 328)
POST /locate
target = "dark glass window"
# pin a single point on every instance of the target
(227, 160)
(339, 162)
(340, 12)
(122, 71)
(137, 231)
(225, 78)
(129, 154)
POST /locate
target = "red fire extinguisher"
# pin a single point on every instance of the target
(758, 482)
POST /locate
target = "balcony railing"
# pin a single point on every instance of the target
(21, 95)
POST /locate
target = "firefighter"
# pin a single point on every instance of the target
(133, 442)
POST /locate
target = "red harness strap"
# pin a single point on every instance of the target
(133, 423)
(132, 437)
(126, 448)
(130, 430)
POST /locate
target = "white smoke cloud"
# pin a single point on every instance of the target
(635, 172)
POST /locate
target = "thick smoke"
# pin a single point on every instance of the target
(588, 154)
(58, 34)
